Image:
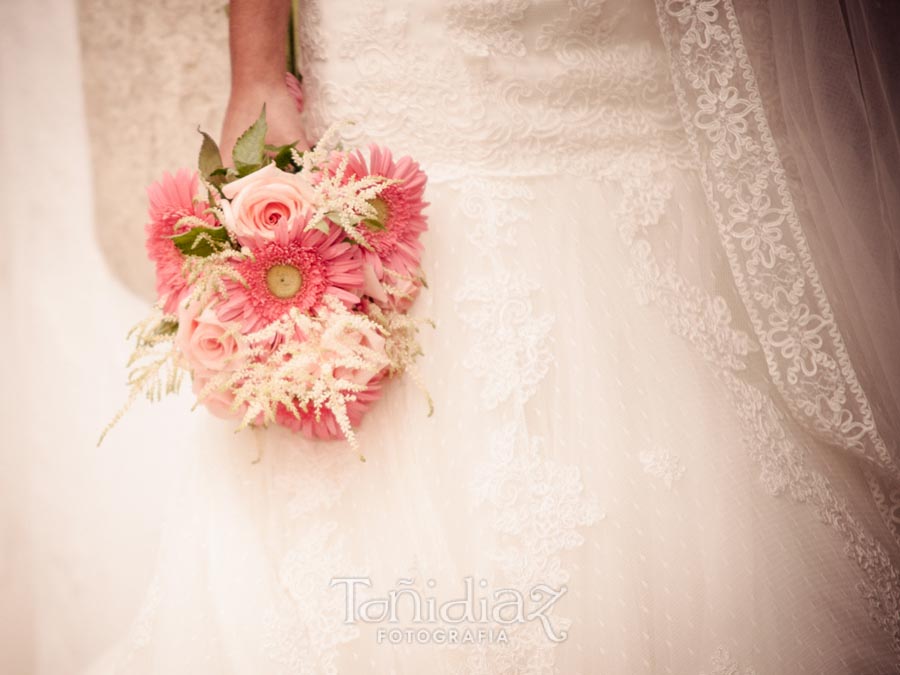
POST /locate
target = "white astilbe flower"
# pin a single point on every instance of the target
(344, 200)
(347, 202)
(316, 158)
(216, 211)
(187, 222)
(205, 276)
(402, 345)
(319, 363)
(154, 366)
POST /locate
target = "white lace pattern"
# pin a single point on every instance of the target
(770, 260)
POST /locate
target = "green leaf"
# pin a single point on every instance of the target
(250, 149)
(283, 157)
(210, 159)
(247, 169)
(202, 241)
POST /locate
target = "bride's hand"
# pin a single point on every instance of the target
(282, 117)
(257, 38)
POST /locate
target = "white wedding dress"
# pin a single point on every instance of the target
(605, 416)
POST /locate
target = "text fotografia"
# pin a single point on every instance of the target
(478, 616)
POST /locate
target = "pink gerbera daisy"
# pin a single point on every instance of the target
(293, 271)
(172, 198)
(399, 207)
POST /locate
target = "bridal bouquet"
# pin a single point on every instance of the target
(283, 282)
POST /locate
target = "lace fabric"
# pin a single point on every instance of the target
(779, 285)
(576, 93)
(601, 55)
(758, 222)
(149, 80)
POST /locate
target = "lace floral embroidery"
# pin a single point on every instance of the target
(705, 321)
(663, 465)
(304, 630)
(536, 504)
(511, 356)
(575, 96)
(745, 183)
(185, 84)
(770, 260)
(888, 503)
(784, 471)
(575, 35)
(485, 27)
(531, 496)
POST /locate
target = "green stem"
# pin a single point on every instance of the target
(293, 38)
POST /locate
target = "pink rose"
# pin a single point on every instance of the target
(402, 292)
(365, 337)
(394, 291)
(266, 202)
(218, 401)
(208, 345)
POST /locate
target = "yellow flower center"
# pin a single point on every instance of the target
(284, 280)
(382, 211)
